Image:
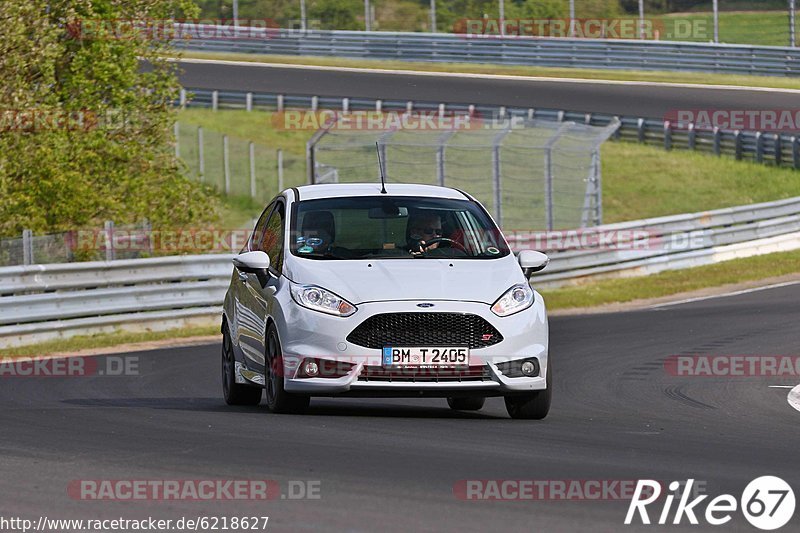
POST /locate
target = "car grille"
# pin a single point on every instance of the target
(425, 375)
(424, 329)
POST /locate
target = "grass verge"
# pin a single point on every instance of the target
(672, 282)
(510, 70)
(105, 340)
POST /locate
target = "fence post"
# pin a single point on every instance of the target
(27, 247)
(248, 101)
(345, 105)
(108, 228)
(252, 170)
(378, 106)
(314, 103)
(778, 149)
(280, 170)
(183, 98)
(310, 170)
(214, 100)
(226, 164)
(201, 162)
(692, 140)
(409, 107)
(618, 132)
(759, 147)
(667, 135)
(280, 103)
(737, 138)
(717, 141)
(640, 133)
(796, 152)
(177, 132)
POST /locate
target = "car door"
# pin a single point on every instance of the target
(246, 327)
(271, 241)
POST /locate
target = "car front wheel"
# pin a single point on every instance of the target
(278, 400)
(533, 406)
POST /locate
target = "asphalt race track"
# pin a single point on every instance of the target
(652, 101)
(391, 465)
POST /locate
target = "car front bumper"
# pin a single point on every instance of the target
(309, 334)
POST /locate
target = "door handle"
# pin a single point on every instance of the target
(243, 277)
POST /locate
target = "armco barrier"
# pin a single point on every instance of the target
(535, 51)
(42, 302)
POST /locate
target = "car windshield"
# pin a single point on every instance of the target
(399, 227)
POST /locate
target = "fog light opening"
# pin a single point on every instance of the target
(528, 368)
(311, 369)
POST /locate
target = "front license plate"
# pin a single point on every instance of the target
(420, 356)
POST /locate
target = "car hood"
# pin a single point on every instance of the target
(475, 280)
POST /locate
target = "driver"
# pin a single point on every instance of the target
(422, 227)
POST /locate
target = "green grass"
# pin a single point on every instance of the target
(105, 340)
(672, 282)
(768, 28)
(638, 181)
(508, 70)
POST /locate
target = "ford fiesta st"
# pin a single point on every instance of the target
(411, 291)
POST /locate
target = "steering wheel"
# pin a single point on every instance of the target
(442, 239)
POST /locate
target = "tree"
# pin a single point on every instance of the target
(86, 132)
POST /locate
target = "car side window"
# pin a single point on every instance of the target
(272, 238)
(258, 232)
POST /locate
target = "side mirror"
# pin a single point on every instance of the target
(531, 261)
(254, 263)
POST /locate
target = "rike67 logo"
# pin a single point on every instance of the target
(767, 503)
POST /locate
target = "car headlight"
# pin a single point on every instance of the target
(322, 300)
(516, 299)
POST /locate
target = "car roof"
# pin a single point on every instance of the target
(339, 190)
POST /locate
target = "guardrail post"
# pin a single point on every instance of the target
(588, 119)
(737, 138)
(441, 110)
(640, 133)
(27, 247)
(214, 100)
(618, 132)
(108, 230)
(378, 106)
(667, 135)
(692, 139)
(796, 152)
(314, 103)
(778, 149)
(717, 141)
(226, 164)
(531, 113)
(409, 107)
(248, 101)
(182, 99)
(560, 116)
(252, 151)
(201, 161)
(759, 147)
(279, 103)
(345, 105)
(280, 169)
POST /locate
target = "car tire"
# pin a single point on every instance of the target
(278, 400)
(466, 404)
(533, 406)
(235, 393)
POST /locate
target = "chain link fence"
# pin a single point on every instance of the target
(756, 22)
(531, 174)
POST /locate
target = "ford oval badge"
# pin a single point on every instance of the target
(425, 305)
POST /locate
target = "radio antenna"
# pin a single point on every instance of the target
(380, 166)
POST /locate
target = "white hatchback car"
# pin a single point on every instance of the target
(345, 290)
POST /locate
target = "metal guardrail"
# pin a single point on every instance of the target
(780, 149)
(41, 302)
(537, 51)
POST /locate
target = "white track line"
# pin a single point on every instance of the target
(794, 397)
(724, 295)
(484, 76)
